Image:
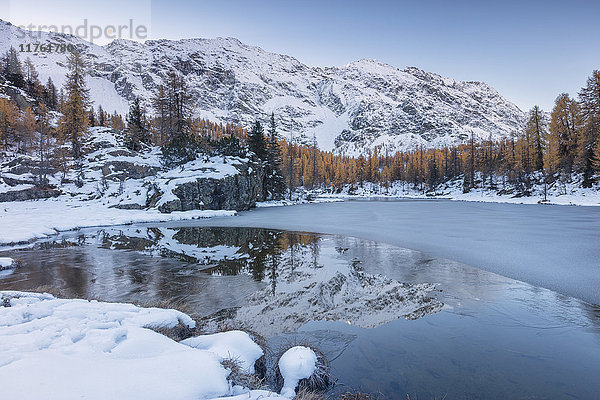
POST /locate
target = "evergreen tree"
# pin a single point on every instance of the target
(588, 157)
(92, 117)
(256, 141)
(101, 116)
(536, 134)
(12, 69)
(137, 132)
(274, 184)
(159, 104)
(74, 121)
(50, 95)
(173, 105)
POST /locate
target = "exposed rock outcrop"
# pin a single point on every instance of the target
(29, 194)
(235, 192)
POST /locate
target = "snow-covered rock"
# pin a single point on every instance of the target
(295, 364)
(351, 108)
(235, 345)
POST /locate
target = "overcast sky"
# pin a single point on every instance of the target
(530, 51)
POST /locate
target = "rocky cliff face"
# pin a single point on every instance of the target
(129, 180)
(235, 192)
(349, 109)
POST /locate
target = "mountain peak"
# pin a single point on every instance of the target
(349, 109)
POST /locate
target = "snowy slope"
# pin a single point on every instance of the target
(361, 105)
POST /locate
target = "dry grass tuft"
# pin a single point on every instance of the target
(239, 377)
(308, 395)
(356, 394)
(178, 333)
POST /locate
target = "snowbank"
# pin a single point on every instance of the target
(67, 349)
(297, 363)
(70, 349)
(236, 345)
(24, 221)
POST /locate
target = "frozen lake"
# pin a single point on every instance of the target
(555, 247)
(476, 335)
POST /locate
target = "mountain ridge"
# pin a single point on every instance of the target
(359, 106)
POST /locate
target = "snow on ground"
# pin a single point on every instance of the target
(565, 194)
(295, 364)
(70, 349)
(7, 266)
(235, 345)
(67, 349)
(27, 220)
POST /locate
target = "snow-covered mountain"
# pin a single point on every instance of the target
(361, 105)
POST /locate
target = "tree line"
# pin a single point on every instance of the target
(550, 149)
(38, 118)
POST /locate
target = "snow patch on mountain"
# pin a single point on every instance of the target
(349, 109)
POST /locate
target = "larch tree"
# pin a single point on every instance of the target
(74, 120)
(8, 120)
(27, 128)
(44, 145)
(562, 137)
(180, 146)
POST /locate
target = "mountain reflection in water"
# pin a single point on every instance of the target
(265, 280)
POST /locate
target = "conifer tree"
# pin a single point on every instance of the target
(173, 104)
(137, 132)
(562, 138)
(26, 129)
(50, 96)
(44, 147)
(8, 120)
(101, 116)
(256, 141)
(589, 134)
(274, 182)
(12, 69)
(74, 121)
(92, 117)
(536, 133)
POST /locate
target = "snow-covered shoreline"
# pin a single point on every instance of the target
(73, 348)
(25, 221)
(570, 195)
(28, 220)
